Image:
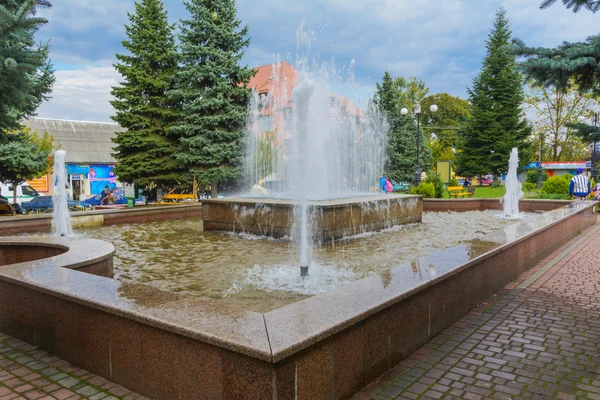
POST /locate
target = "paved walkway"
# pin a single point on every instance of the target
(539, 338)
(29, 373)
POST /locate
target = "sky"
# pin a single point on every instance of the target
(439, 41)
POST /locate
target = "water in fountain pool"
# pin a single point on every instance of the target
(262, 274)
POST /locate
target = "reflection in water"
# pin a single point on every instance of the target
(261, 274)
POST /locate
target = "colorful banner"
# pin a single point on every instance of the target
(102, 172)
(40, 184)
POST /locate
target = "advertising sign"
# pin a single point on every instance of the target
(100, 176)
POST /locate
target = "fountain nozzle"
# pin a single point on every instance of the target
(303, 271)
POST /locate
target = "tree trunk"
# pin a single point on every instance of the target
(15, 188)
(214, 191)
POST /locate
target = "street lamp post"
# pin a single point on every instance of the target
(540, 180)
(417, 111)
(594, 168)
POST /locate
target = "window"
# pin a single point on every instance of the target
(265, 123)
(29, 191)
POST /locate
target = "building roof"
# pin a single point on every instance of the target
(279, 80)
(84, 142)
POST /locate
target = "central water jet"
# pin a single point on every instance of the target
(301, 98)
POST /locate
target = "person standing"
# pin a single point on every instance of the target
(383, 183)
(579, 186)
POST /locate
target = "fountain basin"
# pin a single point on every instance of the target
(332, 219)
(167, 345)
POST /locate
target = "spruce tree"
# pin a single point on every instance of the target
(211, 89)
(497, 123)
(576, 5)
(401, 152)
(568, 65)
(145, 152)
(26, 76)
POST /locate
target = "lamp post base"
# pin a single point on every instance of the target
(417, 179)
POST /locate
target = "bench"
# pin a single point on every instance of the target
(459, 191)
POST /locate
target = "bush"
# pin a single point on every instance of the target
(532, 176)
(453, 182)
(529, 186)
(557, 185)
(436, 180)
(496, 184)
(426, 189)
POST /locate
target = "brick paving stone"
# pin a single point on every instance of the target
(27, 373)
(538, 338)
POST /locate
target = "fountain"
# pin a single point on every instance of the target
(320, 158)
(513, 187)
(60, 217)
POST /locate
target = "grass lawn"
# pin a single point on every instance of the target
(485, 192)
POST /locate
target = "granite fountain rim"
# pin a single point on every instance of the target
(340, 202)
(272, 336)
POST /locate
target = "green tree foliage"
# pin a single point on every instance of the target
(401, 155)
(22, 157)
(576, 5)
(26, 75)
(145, 152)
(552, 112)
(589, 134)
(496, 125)
(411, 91)
(211, 90)
(532, 176)
(565, 65)
(443, 126)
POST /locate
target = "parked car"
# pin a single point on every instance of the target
(486, 181)
(24, 192)
(95, 201)
(43, 204)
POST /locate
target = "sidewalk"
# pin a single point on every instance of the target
(29, 373)
(539, 338)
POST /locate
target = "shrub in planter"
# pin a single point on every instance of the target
(425, 189)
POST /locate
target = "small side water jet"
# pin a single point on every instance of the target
(513, 187)
(60, 208)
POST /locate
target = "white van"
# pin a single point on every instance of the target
(24, 192)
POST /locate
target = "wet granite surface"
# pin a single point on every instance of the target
(327, 203)
(272, 336)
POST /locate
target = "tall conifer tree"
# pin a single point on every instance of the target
(497, 123)
(26, 75)
(211, 89)
(401, 152)
(145, 152)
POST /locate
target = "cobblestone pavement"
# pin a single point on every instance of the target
(539, 338)
(29, 373)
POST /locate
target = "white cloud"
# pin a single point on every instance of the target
(439, 41)
(82, 95)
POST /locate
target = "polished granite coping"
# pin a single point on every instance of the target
(325, 203)
(272, 336)
(133, 210)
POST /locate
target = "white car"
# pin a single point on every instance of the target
(24, 192)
